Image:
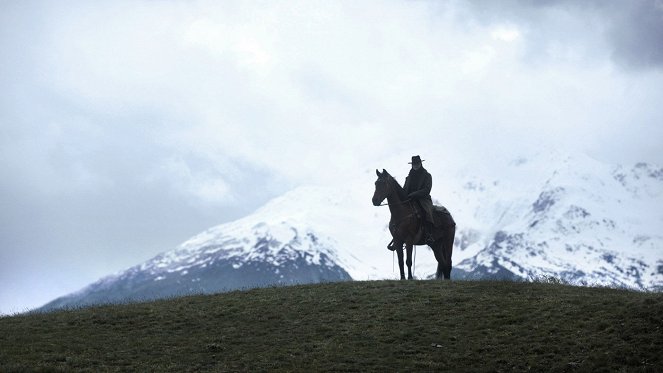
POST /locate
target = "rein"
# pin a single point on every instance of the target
(391, 190)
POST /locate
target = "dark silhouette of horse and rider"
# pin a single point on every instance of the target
(414, 219)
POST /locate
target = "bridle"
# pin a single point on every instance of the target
(409, 201)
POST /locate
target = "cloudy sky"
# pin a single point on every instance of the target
(128, 126)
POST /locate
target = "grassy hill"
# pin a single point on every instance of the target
(351, 326)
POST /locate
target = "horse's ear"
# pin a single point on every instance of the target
(378, 172)
(385, 172)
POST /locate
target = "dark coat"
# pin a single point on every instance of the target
(418, 185)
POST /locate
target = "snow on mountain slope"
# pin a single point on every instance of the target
(231, 256)
(570, 217)
(549, 214)
(342, 217)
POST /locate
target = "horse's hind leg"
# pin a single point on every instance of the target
(437, 251)
(440, 271)
(408, 247)
(447, 250)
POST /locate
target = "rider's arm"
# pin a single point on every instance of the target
(425, 189)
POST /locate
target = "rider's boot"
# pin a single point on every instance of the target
(428, 233)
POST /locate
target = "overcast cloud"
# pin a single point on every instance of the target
(127, 127)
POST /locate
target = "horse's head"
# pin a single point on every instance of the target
(382, 188)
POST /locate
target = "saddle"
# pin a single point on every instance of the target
(441, 216)
(441, 221)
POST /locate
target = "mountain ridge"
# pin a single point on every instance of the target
(551, 215)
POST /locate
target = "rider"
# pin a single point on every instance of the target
(418, 185)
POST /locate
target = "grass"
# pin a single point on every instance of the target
(352, 326)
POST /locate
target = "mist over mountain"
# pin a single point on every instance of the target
(548, 214)
(128, 127)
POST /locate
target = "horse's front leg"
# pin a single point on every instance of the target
(399, 252)
(408, 248)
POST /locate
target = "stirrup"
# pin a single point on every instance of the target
(390, 246)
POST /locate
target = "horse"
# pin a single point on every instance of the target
(406, 225)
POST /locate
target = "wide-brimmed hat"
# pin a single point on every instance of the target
(416, 159)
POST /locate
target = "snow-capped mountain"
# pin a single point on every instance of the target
(232, 256)
(578, 220)
(570, 217)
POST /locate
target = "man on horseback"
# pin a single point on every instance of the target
(418, 185)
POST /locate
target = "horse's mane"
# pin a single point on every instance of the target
(399, 189)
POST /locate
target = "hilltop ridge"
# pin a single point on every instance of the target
(352, 326)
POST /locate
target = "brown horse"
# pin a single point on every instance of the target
(406, 226)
